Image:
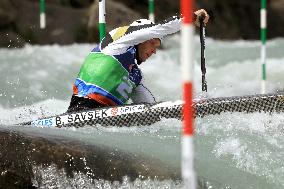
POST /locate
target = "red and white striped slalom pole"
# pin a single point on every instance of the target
(187, 62)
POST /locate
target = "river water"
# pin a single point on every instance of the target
(232, 150)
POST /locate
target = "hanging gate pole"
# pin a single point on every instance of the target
(42, 20)
(263, 21)
(187, 58)
(151, 10)
(102, 19)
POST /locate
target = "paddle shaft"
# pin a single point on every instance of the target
(202, 43)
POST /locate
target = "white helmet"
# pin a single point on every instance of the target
(141, 22)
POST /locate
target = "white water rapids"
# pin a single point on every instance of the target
(231, 150)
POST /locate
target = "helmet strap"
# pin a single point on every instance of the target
(137, 55)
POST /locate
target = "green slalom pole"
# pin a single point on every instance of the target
(263, 30)
(42, 21)
(151, 10)
(102, 19)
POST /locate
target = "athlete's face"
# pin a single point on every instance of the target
(147, 48)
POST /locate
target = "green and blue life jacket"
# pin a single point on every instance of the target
(108, 79)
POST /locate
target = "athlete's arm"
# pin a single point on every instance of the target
(142, 95)
(120, 39)
(138, 34)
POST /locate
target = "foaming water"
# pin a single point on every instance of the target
(232, 150)
(248, 146)
(57, 179)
